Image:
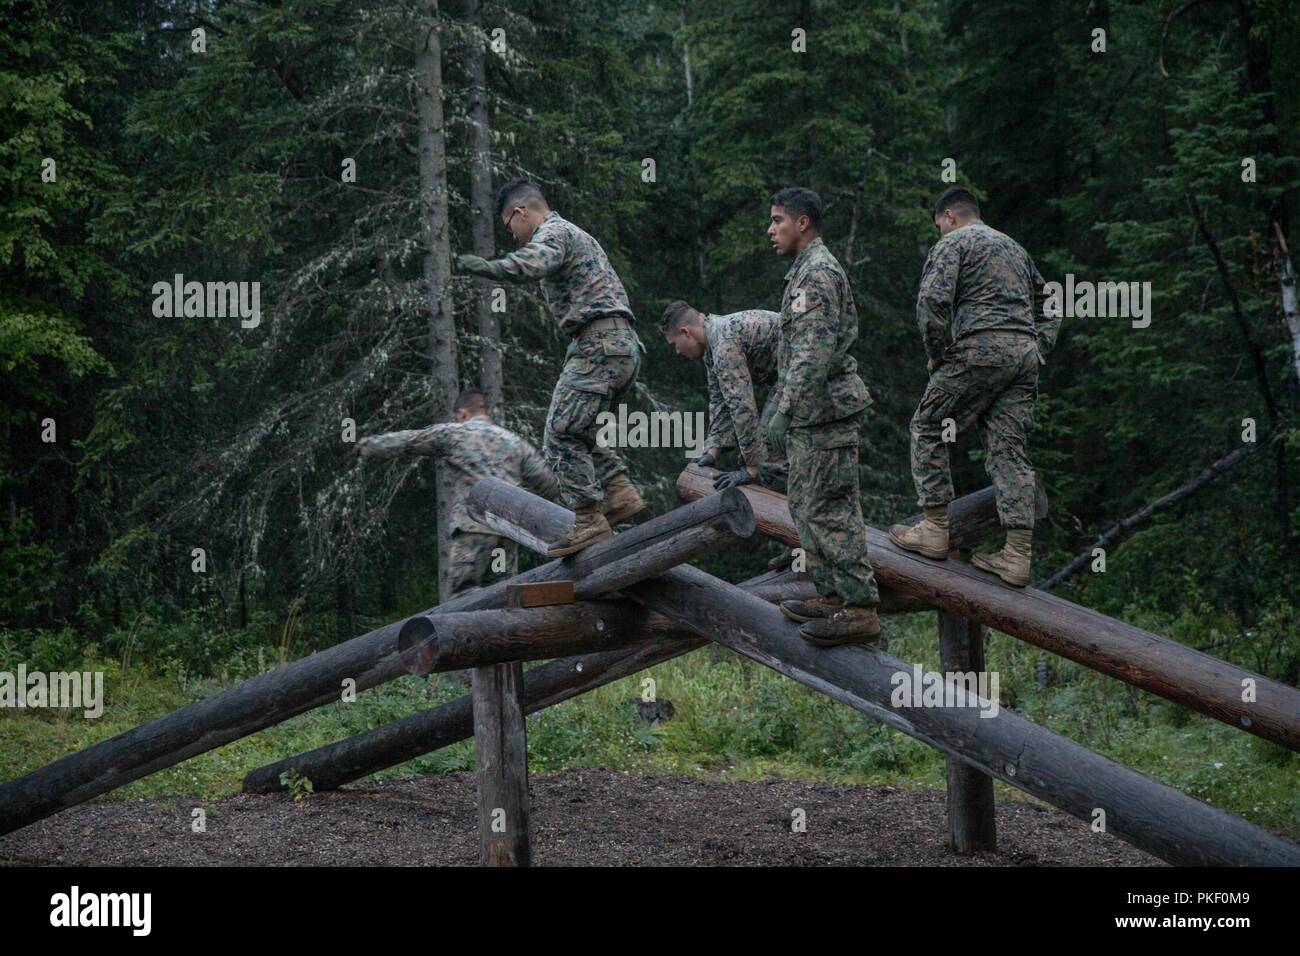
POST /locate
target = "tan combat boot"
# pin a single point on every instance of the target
(848, 625)
(622, 501)
(589, 526)
(1011, 564)
(929, 536)
(811, 609)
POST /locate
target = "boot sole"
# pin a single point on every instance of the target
(800, 618)
(1014, 582)
(916, 549)
(575, 548)
(866, 640)
(618, 517)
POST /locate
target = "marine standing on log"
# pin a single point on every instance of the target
(588, 302)
(980, 311)
(473, 447)
(739, 353)
(818, 420)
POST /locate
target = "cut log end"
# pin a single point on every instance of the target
(417, 645)
(738, 513)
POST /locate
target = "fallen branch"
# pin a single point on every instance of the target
(1144, 514)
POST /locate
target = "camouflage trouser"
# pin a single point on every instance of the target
(599, 370)
(827, 513)
(775, 471)
(471, 559)
(989, 380)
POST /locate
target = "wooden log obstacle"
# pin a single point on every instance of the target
(633, 601)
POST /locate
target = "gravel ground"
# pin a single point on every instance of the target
(592, 817)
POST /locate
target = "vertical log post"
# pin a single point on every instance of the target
(501, 744)
(501, 762)
(971, 825)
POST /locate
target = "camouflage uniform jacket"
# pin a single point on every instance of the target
(473, 449)
(978, 280)
(818, 377)
(578, 283)
(739, 354)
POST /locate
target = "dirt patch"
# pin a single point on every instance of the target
(591, 817)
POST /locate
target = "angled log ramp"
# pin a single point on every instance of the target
(973, 517)
(370, 659)
(1150, 815)
(1163, 667)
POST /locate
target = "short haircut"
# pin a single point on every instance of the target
(520, 192)
(471, 400)
(801, 202)
(959, 199)
(677, 314)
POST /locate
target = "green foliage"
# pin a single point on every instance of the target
(299, 787)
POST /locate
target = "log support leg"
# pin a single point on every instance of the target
(971, 826)
(501, 743)
(501, 765)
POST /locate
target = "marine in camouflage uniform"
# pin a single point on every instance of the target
(822, 404)
(739, 355)
(980, 314)
(473, 448)
(976, 312)
(588, 302)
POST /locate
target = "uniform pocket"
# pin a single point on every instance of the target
(834, 472)
(585, 374)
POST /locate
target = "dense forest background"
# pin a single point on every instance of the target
(172, 434)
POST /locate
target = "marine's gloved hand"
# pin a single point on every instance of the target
(474, 265)
(777, 426)
(732, 479)
(706, 460)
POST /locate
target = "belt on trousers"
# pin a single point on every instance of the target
(603, 323)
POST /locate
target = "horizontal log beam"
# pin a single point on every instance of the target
(1156, 664)
(971, 518)
(448, 642)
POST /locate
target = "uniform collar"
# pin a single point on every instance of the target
(709, 328)
(803, 257)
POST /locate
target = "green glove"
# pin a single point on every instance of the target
(777, 426)
(475, 265)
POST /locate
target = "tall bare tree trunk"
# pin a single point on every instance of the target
(480, 179)
(437, 258)
(690, 101)
(1287, 286)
